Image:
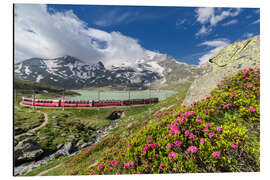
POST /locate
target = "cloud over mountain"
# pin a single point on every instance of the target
(46, 33)
(214, 45)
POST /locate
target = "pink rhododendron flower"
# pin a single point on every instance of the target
(170, 145)
(219, 128)
(186, 132)
(166, 136)
(125, 151)
(113, 153)
(135, 139)
(110, 168)
(146, 147)
(129, 144)
(138, 173)
(224, 105)
(174, 130)
(112, 162)
(126, 165)
(160, 166)
(147, 164)
(251, 109)
(92, 172)
(234, 145)
(149, 139)
(207, 125)
(202, 141)
(192, 149)
(215, 155)
(229, 104)
(204, 129)
(142, 154)
(178, 143)
(101, 166)
(116, 163)
(131, 163)
(211, 134)
(172, 155)
(153, 145)
(232, 94)
(191, 136)
(181, 122)
(200, 121)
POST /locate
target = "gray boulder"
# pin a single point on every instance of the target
(225, 63)
(27, 150)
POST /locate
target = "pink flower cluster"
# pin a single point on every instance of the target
(172, 155)
(170, 145)
(127, 165)
(216, 154)
(218, 128)
(211, 134)
(252, 109)
(174, 130)
(191, 136)
(114, 163)
(149, 139)
(92, 172)
(178, 143)
(202, 141)
(101, 166)
(192, 149)
(229, 104)
(234, 145)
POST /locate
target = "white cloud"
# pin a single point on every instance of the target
(215, 46)
(248, 35)
(113, 17)
(39, 33)
(256, 22)
(203, 31)
(234, 21)
(209, 17)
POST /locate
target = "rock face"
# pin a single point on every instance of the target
(27, 150)
(225, 63)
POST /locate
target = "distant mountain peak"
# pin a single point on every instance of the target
(72, 73)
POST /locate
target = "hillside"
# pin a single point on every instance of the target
(219, 133)
(26, 88)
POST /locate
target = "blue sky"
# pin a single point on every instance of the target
(116, 33)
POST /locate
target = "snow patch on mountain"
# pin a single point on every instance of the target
(27, 70)
(39, 77)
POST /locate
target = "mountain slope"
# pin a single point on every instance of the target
(69, 72)
(217, 134)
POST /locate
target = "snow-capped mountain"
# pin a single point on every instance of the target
(72, 73)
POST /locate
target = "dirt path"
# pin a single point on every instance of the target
(36, 128)
(47, 170)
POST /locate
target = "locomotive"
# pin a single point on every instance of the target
(100, 103)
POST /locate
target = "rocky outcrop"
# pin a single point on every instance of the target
(27, 150)
(225, 63)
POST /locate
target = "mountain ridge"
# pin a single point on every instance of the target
(72, 73)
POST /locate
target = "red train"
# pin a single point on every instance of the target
(70, 103)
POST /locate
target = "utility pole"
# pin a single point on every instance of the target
(33, 99)
(63, 99)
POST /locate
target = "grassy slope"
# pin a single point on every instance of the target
(135, 118)
(227, 122)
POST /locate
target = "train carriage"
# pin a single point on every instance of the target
(72, 103)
